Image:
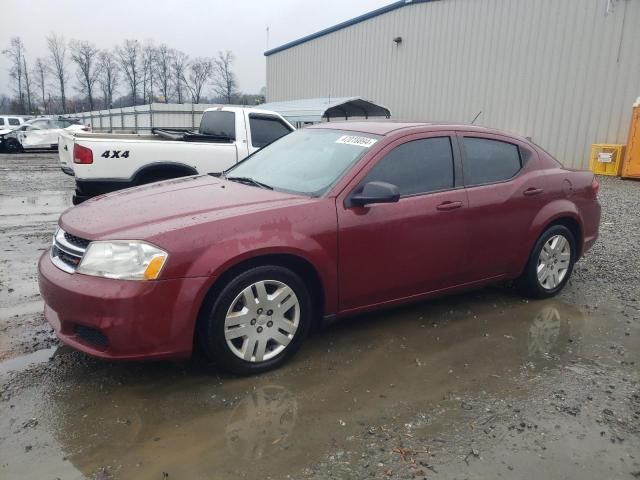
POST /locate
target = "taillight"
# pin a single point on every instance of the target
(595, 187)
(82, 155)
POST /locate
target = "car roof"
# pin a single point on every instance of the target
(389, 127)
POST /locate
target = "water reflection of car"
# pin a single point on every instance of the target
(545, 330)
(159, 418)
(326, 222)
(37, 133)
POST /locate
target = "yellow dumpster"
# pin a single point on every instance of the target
(606, 159)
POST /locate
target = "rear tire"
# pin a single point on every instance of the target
(257, 321)
(550, 264)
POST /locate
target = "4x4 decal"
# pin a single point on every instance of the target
(115, 154)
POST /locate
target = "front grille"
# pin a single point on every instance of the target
(76, 241)
(70, 260)
(67, 251)
(91, 335)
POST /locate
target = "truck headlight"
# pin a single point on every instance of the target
(123, 259)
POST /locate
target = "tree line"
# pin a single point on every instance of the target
(131, 73)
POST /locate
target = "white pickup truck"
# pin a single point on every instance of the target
(102, 163)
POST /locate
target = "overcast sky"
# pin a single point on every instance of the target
(197, 27)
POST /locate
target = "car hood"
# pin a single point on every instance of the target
(151, 210)
(4, 131)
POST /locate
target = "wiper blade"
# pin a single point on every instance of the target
(249, 181)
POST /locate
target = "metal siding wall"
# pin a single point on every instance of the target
(561, 72)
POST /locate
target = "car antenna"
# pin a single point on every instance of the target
(476, 117)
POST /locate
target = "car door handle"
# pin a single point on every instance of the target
(448, 205)
(533, 191)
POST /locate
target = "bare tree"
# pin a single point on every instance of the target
(164, 60)
(148, 69)
(28, 84)
(199, 73)
(15, 53)
(179, 64)
(40, 73)
(224, 80)
(58, 53)
(129, 55)
(85, 55)
(108, 78)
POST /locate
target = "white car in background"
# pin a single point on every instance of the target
(44, 132)
(37, 133)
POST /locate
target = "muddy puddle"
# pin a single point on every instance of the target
(43, 206)
(145, 420)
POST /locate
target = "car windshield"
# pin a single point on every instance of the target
(305, 162)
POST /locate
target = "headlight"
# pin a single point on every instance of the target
(124, 260)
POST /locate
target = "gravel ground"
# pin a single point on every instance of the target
(480, 385)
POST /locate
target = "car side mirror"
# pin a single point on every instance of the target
(376, 192)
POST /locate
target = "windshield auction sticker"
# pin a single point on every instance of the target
(357, 141)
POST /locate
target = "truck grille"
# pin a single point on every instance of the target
(67, 250)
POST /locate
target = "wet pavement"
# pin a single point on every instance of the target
(480, 385)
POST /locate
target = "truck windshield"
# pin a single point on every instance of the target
(219, 124)
(306, 162)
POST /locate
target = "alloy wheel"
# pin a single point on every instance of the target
(262, 320)
(553, 262)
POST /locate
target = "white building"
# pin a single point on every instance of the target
(563, 72)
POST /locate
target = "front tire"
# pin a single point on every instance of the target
(13, 146)
(257, 321)
(550, 264)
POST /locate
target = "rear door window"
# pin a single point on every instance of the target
(489, 161)
(417, 167)
(14, 121)
(40, 124)
(266, 129)
(219, 123)
(1, 121)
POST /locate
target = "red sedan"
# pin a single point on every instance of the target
(328, 221)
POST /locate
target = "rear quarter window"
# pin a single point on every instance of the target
(219, 123)
(489, 161)
(1, 121)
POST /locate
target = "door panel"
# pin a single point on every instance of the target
(392, 251)
(35, 138)
(500, 215)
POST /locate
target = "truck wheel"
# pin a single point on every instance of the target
(550, 264)
(13, 146)
(258, 320)
(161, 175)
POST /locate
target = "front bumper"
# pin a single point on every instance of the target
(120, 319)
